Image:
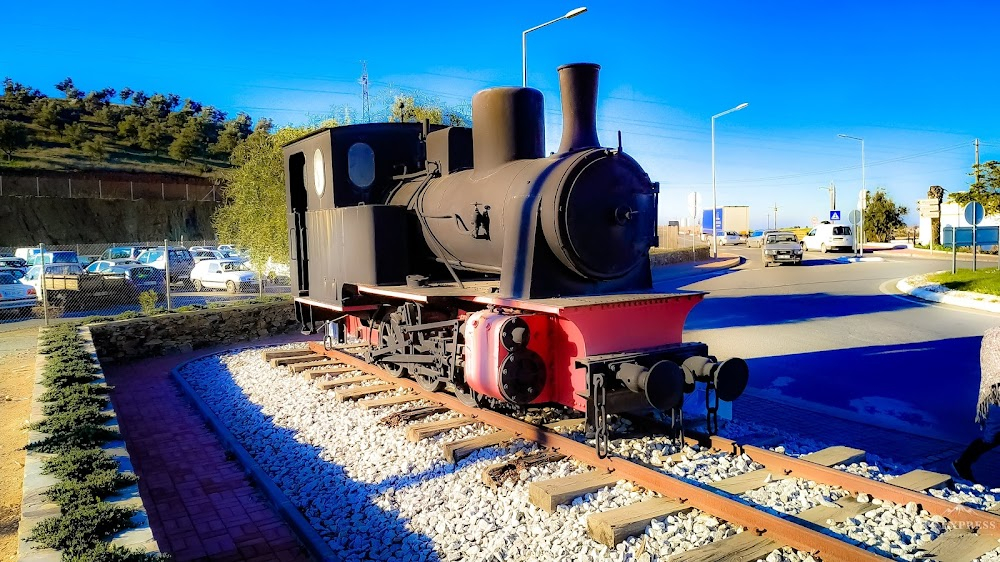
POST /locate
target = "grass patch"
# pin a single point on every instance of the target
(985, 281)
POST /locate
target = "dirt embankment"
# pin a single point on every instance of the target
(17, 355)
(29, 221)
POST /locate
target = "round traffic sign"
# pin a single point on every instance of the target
(815, 221)
(854, 216)
(974, 212)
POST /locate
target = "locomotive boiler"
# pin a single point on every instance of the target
(469, 259)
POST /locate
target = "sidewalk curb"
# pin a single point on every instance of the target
(963, 299)
(316, 546)
(731, 262)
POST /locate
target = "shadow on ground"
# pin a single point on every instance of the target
(763, 310)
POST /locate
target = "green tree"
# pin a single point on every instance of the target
(153, 136)
(253, 214)
(53, 114)
(984, 189)
(95, 149)
(76, 134)
(69, 89)
(129, 127)
(187, 142)
(13, 137)
(18, 95)
(233, 131)
(406, 109)
(125, 94)
(882, 217)
(935, 192)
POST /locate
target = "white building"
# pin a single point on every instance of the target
(952, 214)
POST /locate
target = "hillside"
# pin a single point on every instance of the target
(100, 131)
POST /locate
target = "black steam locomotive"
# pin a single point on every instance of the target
(470, 260)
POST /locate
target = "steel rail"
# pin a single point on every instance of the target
(783, 531)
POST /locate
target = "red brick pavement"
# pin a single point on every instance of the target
(200, 505)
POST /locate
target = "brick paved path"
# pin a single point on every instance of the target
(200, 505)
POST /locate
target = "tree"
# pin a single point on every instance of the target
(985, 189)
(128, 128)
(406, 109)
(253, 214)
(233, 131)
(139, 98)
(95, 149)
(19, 95)
(187, 142)
(153, 136)
(125, 94)
(882, 217)
(76, 134)
(69, 89)
(935, 192)
(13, 136)
(53, 114)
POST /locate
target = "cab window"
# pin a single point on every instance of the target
(842, 230)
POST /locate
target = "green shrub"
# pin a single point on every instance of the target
(77, 465)
(74, 401)
(104, 552)
(68, 372)
(147, 300)
(80, 437)
(82, 527)
(189, 308)
(94, 320)
(127, 315)
(70, 419)
(94, 488)
(72, 391)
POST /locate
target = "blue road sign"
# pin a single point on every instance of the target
(974, 212)
(985, 236)
(834, 216)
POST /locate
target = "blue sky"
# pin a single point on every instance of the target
(912, 78)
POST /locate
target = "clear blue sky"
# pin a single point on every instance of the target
(913, 78)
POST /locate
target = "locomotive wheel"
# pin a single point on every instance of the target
(468, 396)
(391, 368)
(429, 384)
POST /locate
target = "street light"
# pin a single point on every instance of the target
(715, 203)
(524, 40)
(860, 235)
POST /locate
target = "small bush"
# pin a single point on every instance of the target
(104, 552)
(127, 315)
(83, 527)
(147, 300)
(70, 392)
(68, 373)
(189, 308)
(77, 465)
(92, 489)
(68, 420)
(74, 401)
(80, 437)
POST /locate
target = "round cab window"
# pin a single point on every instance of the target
(361, 164)
(319, 173)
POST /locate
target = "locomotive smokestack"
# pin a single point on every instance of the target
(578, 88)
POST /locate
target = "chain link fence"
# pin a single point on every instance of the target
(78, 280)
(95, 188)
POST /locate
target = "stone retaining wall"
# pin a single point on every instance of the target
(166, 334)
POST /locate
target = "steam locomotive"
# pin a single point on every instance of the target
(468, 259)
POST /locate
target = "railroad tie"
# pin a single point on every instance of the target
(613, 526)
(833, 456)
(423, 430)
(458, 450)
(282, 361)
(921, 480)
(277, 354)
(350, 393)
(819, 516)
(406, 416)
(316, 373)
(549, 494)
(737, 548)
(343, 381)
(960, 545)
(389, 401)
(321, 362)
(571, 423)
(496, 474)
(747, 481)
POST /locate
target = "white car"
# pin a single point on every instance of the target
(15, 295)
(728, 239)
(103, 266)
(231, 275)
(203, 254)
(828, 236)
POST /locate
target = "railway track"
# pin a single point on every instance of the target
(967, 533)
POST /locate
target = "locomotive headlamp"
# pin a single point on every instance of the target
(319, 173)
(729, 378)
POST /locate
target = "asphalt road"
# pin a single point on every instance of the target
(839, 338)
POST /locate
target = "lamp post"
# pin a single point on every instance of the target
(833, 195)
(524, 40)
(860, 235)
(715, 203)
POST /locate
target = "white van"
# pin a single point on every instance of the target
(26, 253)
(829, 236)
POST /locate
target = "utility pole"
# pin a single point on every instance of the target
(366, 106)
(977, 160)
(775, 216)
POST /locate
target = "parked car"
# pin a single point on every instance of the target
(138, 278)
(15, 295)
(781, 247)
(13, 262)
(181, 262)
(756, 239)
(727, 239)
(17, 272)
(226, 248)
(26, 253)
(130, 253)
(231, 275)
(203, 254)
(100, 266)
(58, 256)
(86, 260)
(33, 276)
(828, 236)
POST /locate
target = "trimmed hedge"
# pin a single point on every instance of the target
(75, 426)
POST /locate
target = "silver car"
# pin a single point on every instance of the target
(781, 247)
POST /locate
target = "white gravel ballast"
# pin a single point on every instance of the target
(374, 495)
